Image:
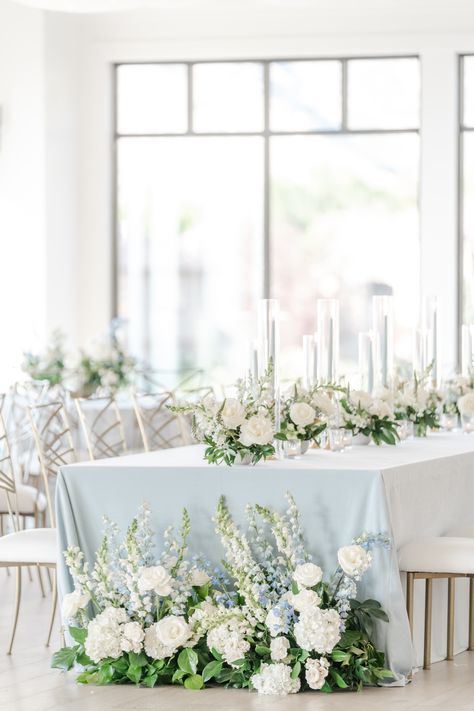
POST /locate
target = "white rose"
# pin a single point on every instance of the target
(155, 578)
(279, 647)
(302, 414)
(308, 574)
(258, 429)
(173, 631)
(361, 399)
(354, 560)
(232, 413)
(72, 603)
(199, 577)
(305, 600)
(466, 405)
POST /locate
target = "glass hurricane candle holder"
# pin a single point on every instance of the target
(449, 421)
(328, 340)
(467, 423)
(336, 439)
(347, 438)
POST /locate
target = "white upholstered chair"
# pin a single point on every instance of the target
(22, 548)
(447, 557)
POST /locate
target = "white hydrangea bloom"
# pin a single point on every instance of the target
(316, 672)
(279, 647)
(104, 634)
(318, 630)
(132, 638)
(275, 679)
(229, 640)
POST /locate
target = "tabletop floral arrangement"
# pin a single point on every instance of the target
(267, 621)
(49, 365)
(239, 429)
(417, 402)
(369, 416)
(304, 413)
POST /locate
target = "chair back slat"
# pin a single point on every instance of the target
(102, 426)
(54, 443)
(159, 427)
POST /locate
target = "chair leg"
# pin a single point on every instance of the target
(451, 592)
(428, 616)
(17, 608)
(40, 579)
(53, 608)
(410, 593)
(48, 573)
(471, 614)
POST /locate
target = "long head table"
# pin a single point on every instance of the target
(421, 487)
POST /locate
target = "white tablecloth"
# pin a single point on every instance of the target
(421, 487)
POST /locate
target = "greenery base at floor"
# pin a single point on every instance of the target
(266, 619)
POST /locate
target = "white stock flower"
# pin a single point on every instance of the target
(104, 634)
(232, 413)
(72, 603)
(302, 414)
(279, 647)
(316, 672)
(173, 631)
(318, 630)
(273, 619)
(308, 574)
(132, 638)
(466, 404)
(305, 600)
(354, 560)
(155, 578)
(275, 679)
(199, 577)
(258, 429)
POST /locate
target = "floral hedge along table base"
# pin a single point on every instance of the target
(267, 620)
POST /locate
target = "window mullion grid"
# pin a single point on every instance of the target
(266, 182)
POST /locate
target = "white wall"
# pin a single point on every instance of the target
(22, 189)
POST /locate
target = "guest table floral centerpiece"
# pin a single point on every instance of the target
(50, 365)
(237, 430)
(268, 622)
(369, 418)
(418, 403)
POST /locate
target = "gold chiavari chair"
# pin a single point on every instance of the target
(22, 548)
(102, 425)
(54, 443)
(159, 427)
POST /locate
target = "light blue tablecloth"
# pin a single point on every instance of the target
(339, 496)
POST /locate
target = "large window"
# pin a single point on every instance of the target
(467, 186)
(237, 180)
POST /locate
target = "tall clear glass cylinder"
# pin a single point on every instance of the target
(328, 339)
(467, 333)
(269, 339)
(366, 362)
(420, 350)
(382, 339)
(431, 326)
(310, 360)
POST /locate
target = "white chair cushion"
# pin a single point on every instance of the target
(466, 531)
(35, 545)
(438, 555)
(26, 496)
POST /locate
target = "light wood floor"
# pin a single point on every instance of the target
(28, 684)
